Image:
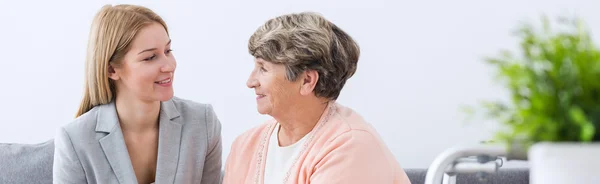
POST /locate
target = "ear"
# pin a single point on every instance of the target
(309, 81)
(112, 73)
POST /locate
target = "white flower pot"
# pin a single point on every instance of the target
(564, 163)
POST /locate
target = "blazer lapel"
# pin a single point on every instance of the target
(113, 144)
(168, 143)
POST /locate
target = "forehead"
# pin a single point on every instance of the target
(153, 35)
(259, 60)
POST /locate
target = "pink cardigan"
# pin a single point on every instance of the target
(342, 148)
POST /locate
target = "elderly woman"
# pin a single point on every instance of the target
(302, 62)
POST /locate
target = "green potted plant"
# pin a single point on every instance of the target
(554, 111)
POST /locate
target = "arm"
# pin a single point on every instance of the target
(212, 164)
(357, 157)
(67, 168)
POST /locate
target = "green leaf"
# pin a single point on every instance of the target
(553, 85)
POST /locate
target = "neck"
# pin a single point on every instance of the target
(137, 115)
(299, 120)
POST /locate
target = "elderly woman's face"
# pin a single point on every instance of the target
(274, 93)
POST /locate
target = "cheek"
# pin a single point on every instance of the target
(141, 77)
(281, 91)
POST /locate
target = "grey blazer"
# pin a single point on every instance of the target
(92, 149)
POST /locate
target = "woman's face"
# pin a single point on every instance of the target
(148, 68)
(274, 93)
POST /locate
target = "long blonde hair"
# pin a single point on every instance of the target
(111, 34)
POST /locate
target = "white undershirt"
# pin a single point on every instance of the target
(280, 159)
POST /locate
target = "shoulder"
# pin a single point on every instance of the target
(79, 132)
(344, 121)
(354, 138)
(186, 107)
(354, 149)
(194, 112)
(351, 140)
(82, 126)
(349, 119)
(349, 133)
(348, 130)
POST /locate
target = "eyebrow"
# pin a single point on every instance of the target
(151, 49)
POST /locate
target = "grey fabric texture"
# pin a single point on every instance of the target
(26, 163)
(416, 176)
(503, 176)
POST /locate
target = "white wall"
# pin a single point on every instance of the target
(421, 60)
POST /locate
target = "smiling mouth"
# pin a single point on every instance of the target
(164, 81)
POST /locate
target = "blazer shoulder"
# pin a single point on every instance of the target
(82, 125)
(187, 107)
(196, 113)
(78, 133)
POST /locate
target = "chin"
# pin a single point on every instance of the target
(165, 96)
(260, 111)
(263, 110)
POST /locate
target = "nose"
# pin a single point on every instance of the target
(252, 82)
(169, 66)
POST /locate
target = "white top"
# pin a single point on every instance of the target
(280, 159)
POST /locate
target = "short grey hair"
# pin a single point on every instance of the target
(308, 41)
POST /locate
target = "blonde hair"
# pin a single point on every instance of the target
(111, 34)
(308, 41)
